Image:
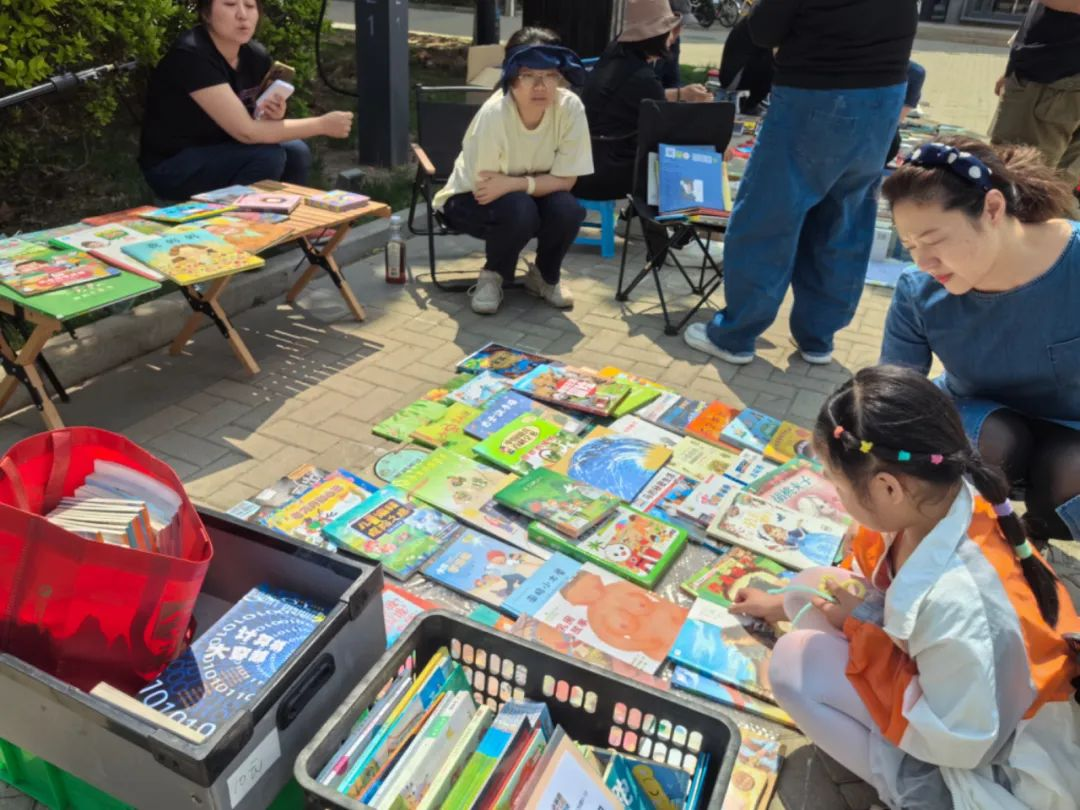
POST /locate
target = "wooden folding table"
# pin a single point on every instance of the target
(21, 366)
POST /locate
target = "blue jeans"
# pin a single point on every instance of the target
(507, 224)
(916, 78)
(804, 215)
(205, 168)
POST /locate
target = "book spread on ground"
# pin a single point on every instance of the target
(617, 463)
(569, 506)
(720, 580)
(480, 567)
(791, 539)
(505, 361)
(573, 388)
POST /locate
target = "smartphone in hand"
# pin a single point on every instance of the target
(278, 70)
(280, 90)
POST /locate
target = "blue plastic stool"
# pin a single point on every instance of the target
(606, 240)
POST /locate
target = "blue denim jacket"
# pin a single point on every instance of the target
(1018, 349)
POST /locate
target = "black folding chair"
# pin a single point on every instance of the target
(443, 114)
(684, 125)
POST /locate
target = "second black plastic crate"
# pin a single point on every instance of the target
(593, 705)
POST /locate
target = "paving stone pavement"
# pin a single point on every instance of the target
(327, 379)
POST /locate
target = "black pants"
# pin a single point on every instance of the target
(508, 224)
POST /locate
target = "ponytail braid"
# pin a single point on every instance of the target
(992, 485)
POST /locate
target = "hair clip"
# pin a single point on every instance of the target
(936, 458)
(1003, 509)
(865, 446)
(903, 455)
(838, 431)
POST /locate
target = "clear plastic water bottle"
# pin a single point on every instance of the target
(395, 253)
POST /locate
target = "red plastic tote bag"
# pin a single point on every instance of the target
(85, 611)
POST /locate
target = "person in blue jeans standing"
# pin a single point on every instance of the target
(804, 214)
(201, 129)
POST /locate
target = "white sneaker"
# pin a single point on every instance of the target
(816, 358)
(487, 293)
(697, 337)
(555, 294)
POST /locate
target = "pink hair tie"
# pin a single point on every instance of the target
(1003, 509)
(936, 458)
(838, 431)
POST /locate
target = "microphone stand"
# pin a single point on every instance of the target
(64, 83)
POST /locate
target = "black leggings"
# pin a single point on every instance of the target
(1040, 458)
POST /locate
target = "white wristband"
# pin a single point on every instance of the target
(531, 188)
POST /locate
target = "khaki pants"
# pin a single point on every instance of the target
(1046, 116)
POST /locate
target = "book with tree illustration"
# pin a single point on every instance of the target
(752, 430)
(106, 242)
(801, 486)
(505, 361)
(400, 425)
(526, 443)
(793, 540)
(447, 428)
(184, 212)
(617, 617)
(620, 464)
(55, 271)
(710, 423)
(389, 528)
(629, 543)
(699, 460)
(480, 390)
(573, 388)
(246, 234)
(570, 506)
(192, 256)
(690, 680)
(789, 441)
(722, 579)
(732, 649)
(509, 405)
(481, 567)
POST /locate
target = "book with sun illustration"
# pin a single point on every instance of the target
(571, 507)
(801, 486)
(192, 256)
(390, 528)
(789, 441)
(722, 579)
(793, 540)
(399, 426)
(526, 443)
(733, 649)
(620, 464)
(750, 429)
(509, 405)
(451, 425)
(629, 543)
(696, 683)
(481, 567)
(505, 361)
(573, 388)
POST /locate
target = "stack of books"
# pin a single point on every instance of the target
(692, 184)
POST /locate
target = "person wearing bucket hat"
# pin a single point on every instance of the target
(523, 152)
(624, 77)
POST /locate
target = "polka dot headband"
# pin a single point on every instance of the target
(962, 164)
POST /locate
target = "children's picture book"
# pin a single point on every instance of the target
(757, 768)
(752, 430)
(619, 778)
(400, 607)
(451, 768)
(70, 302)
(505, 361)
(516, 770)
(192, 256)
(569, 506)
(789, 441)
(663, 496)
(732, 649)
(285, 490)
(708, 499)
(56, 271)
(391, 529)
(448, 427)
(655, 409)
(18, 249)
(634, 425)
(664, 786)
(615, 616)
(642, 391)
(509, 405)
(481, 567)
(397, 462)
(573, 388)
(564, 780)
(526, 443)
(224, 669)
(720, 580)
(534, 593)
(630, 543)
(125, 216)
(276, 202)
(620, 464)
(702, 685)
(106, 242)
(183, 212)
(699, 460)
(709, 424)
(505, 524)
(690, 178)
(748, 468)
(244, 234)
(306, 517)
(678, 416)
(337, 200)
(791, 539)
(224, 196)
(491, 618)
(801, 486)
(480, 390)
(399, 426)
(439, 394)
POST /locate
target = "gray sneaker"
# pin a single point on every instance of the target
(555, 294)
(487, 293)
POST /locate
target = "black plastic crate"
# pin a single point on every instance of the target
(593, 705)
(248, 760)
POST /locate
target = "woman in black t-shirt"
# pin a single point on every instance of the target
(200, 131)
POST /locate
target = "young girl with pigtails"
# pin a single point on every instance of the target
(941, 664)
